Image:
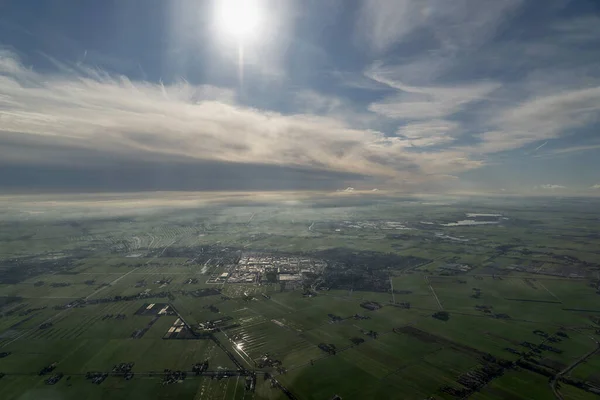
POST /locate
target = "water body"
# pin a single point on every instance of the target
(456, 239)
(468, 222)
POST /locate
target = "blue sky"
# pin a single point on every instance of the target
(485, 96)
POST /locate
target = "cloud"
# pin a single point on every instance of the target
(558, 95)
(90, 109)
(579, 29)
(569, 150)
(442, 93)
(540, 118)
(423, 102)
(384, 23)
(317, 103)
(461, 24)
(60, 119)
(540, 146)
(312, 102)
(357, 81)
(551, 114)
(596, 186)
(98, 172)
(429, 133)
(551, 187)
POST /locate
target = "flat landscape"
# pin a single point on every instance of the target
(359, 297)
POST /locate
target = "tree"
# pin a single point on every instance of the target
(442, 315)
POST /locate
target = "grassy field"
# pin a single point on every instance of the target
(528, 278)
(289, 327)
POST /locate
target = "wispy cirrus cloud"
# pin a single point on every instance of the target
(552, 101)
(428, 90)
(55, 118)
(539, 118)
(94, 110)
(567, 151)
(460, 25)
(423, 102)
(429, 133)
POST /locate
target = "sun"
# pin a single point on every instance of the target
(239, 19)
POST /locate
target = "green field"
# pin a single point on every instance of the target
(525, 304)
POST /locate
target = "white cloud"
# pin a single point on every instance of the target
(460, 24)
(540, 118)
(423, 102)
(357, 81)
(314, 102)
(93, 110)
(596, 186)
(552, 187)
(569, 150)
(383, 23)
(552, 113)
(46, 118)
(552, 101)
(540, 146)
(429, 133)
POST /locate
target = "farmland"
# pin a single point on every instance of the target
(378, 298)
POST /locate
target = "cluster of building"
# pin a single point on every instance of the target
(96, 377)
(155, 309)
(124, 370)
(452, 269)
(163, 282)
(213, 325)
(54, 379)
(254, 268)
(162, 311)
(47, 369)
(566, 269)
(328, 348)
(267, 361)
(199, 368)
(175, 329)
(373, 225)
(371, 305)
(173, 376)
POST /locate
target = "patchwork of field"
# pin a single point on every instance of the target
(413, 353)
(503, 311)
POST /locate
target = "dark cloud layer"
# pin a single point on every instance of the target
(135, 176)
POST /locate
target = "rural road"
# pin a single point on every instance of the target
(433, 291)
(570, 367)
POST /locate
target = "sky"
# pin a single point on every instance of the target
(411, 96)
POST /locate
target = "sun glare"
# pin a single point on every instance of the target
(239, 19)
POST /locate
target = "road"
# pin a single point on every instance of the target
(434, 295)
(554, 380)
(132, 271)
(61, 312)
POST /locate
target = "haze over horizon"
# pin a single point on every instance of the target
(471, 96)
